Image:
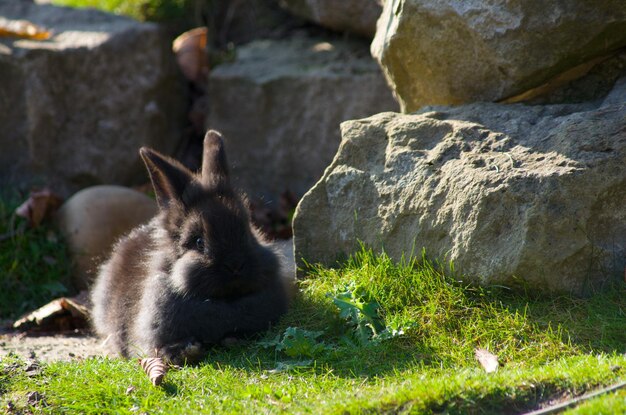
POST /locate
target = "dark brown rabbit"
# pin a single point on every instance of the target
(194, 275)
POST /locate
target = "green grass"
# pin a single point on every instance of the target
(34, 265)
(550, 349)
(230, 383)
(612, 404)
(152, 10)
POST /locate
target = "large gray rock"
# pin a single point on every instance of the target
(74, 109)
(355, 16)
(458, 51)
(535, 193)
(280, 103)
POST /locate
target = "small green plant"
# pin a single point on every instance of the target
(363, 316)
(151, 10)
(297, 342)
(359, 312)
(363, 323)
(34, 262)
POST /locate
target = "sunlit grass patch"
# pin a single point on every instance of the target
(154, 10)
(371, 336)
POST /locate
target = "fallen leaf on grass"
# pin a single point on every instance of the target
(34, 398)
(22, 29)
(33, 368)
(39, 204)
(155, 368)
(488, 360)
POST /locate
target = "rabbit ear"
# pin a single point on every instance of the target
(214, 166)
(169, 177)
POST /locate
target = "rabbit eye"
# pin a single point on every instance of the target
(200, 244)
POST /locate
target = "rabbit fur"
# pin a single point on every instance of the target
(196, 274)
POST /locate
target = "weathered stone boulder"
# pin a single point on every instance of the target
(74, 109)
(280, 103)
(355, 16)
(455, 51)
(504, 191)
(92, 220)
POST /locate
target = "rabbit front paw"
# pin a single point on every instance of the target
(181, 353)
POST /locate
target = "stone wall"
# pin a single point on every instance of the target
(74, 109)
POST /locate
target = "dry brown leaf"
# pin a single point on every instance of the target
(34, 398)
(155, 368)
(192, 55)
(39, 316)
(488, 360)
(62, 314)
(22, 29)
(557, 81)
(39, 205)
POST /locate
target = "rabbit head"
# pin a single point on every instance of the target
(205, 241)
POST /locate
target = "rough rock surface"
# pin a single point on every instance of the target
(93, 219)
(503, 191)
(74, 109)
(458, 51)
(280, 103)
(355, 16)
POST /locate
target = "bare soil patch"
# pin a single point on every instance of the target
(75, 345)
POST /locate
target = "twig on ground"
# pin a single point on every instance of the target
(576, 401)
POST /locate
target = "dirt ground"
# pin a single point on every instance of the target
(51, 347)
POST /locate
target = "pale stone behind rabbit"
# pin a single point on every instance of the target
(196, 274)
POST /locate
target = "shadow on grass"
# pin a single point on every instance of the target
(578, 325)
(595, 323)
(343, 356)
(170, 388)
